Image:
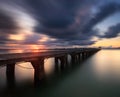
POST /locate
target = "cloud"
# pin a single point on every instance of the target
(68, 22)
(112, 32)
(57, 25)
(7, 23)
(104, 12)
(55, 13)
(62, 19)
(7, 26)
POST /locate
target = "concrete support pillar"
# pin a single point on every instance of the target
(87, 54)
(83, 55)
(39, 73)
(73, 58)
(91, 53)
(56, 64)
(63, 62)
(79, 56)
(62, 65)
(76, 57)
(10, 75)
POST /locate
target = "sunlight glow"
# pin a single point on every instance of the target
(114, 42)
(103, 68)
(17, 37)
(36, 48)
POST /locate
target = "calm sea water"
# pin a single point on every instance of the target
(97, 76)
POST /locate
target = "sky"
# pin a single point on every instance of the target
(36, 24)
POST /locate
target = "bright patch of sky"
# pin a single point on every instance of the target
(110, 21)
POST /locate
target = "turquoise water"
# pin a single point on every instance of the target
(97, 76)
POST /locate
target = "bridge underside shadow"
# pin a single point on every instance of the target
(61, 63)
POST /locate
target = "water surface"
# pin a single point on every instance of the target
(98, 76)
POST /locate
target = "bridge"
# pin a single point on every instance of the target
(37, 60)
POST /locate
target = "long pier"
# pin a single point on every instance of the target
(37, 60)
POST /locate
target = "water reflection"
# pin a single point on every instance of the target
(49, 66)
(24, 72)
(98, 76)
(106, 65)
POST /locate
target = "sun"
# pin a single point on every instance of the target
(36, 48)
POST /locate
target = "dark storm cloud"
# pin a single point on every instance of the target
(31, 39)
(70, 22)
(7, 26)
(3, 39)
(55, 13)
(104, 12)
(7, 23)
(67, 43)
(112, 32)
(56, 19)
(49, 15)
(82, 42)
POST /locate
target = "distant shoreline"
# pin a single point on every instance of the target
(111, 48)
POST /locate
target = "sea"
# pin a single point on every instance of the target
(96, 76)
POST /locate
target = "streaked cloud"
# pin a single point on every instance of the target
(56, 22)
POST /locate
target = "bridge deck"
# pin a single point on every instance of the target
(17, 57)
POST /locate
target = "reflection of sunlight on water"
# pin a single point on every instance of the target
(106, 64)
(24, 70)
(69, 59)
(23, 74)
(49, 65)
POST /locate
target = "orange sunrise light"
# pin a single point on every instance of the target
(36, 48)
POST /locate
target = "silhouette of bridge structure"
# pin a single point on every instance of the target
(37, 60)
